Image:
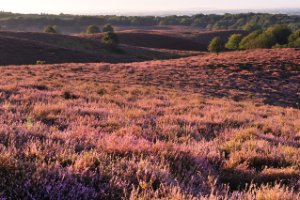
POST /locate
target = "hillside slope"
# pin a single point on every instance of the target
(29, 47)
(173, 39)
(205, 127)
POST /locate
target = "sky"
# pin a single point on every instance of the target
(111, 6)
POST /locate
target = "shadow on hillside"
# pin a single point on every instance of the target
(273, 82)
(278, 86)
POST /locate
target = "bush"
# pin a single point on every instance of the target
(40, 62)
(92, 29)
(110, 40)
(50, 29)
(216, 45)
(234, 42)
(108, 28)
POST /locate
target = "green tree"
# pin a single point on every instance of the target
(234, 41)
(92, 29)
(264, 40)
(108, 28)
(294, 39)
(50, 29)
(280, 33)
(110, 40)
(251, 27)
(248, 41)
(216, 45)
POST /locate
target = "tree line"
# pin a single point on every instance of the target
(277, 36)
(247, 21)
(109, 39)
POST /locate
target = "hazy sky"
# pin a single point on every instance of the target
(106, 6)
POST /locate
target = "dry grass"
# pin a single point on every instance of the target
(151, 130)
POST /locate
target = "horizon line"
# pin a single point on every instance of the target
(165, 12)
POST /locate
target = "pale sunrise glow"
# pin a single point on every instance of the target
(104, 6)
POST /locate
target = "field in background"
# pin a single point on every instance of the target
(174, 129)
(30, 47)
(172, 38)
(136, 45)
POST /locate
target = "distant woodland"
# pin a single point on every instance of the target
(78, 23)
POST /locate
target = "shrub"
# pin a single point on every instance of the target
(92, 29)
(110, 40)
(50, 29)
(108, 28)
(40, 62)
(216, 45)
(234, 42)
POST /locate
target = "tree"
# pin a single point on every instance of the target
(248, 41)
(274, 36)
(294, 36)
(50, 29)
(216, 45)
(108, 28)
(251, 27)
(234, 42)
(280, 33)
(258, 39)
(264, 40)
(92, 29)
(110, 40)
(294, 39)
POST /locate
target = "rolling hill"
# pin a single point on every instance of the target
(189, 40)
(30, 47)
(204, 127)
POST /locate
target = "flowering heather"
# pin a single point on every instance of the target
(221, 126)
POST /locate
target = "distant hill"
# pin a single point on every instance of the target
(28, 48)
(174, 40)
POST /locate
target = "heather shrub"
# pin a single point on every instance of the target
(268, 192)
(152, 130)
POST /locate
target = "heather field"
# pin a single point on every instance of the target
(211, 126)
